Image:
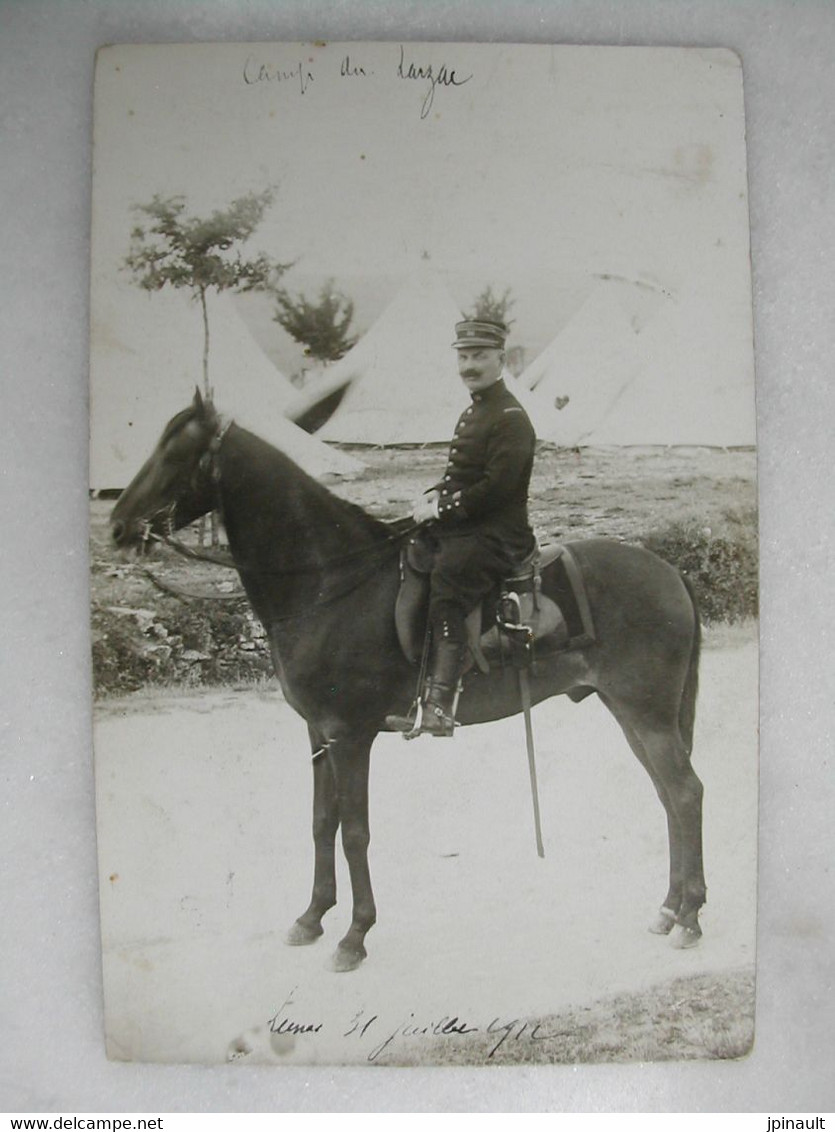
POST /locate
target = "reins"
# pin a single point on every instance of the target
(391, 542)
(389, 547)
(318, 603)
(216, 559)
(183, 594)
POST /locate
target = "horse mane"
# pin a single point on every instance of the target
(319, 499)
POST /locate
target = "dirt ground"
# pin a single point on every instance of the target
(577, 493)
(206, 857)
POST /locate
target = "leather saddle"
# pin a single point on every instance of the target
(489, 636)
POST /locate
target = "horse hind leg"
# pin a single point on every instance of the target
(666, 758)
(308, 927)
(667, 913)
(670, 762)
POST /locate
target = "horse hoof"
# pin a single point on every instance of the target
(685, 936)
(300, 935)
(345, 960)
(664, 922)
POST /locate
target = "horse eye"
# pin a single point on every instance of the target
(181, 444)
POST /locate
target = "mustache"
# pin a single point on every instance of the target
(471, 373)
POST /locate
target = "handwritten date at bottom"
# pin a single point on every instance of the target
(382, 1038)
(517, 1029)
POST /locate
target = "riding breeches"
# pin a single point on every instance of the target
(466, 568)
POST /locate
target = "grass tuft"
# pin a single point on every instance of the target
(700, 1017)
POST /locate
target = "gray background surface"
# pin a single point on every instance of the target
(50, 987)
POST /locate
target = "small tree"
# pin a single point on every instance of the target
(201, 254)
(493, 308)
(322, 327)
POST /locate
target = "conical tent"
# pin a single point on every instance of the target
(686, 393)
(584, 373)
(145, 361)
(403, 384)
(600, 382)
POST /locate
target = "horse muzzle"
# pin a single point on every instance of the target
(119, 532)
(139, 532)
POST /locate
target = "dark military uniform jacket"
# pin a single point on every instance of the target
(485, 486)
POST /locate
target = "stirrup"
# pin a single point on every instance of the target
(407, 725)
(443, 724)
(411, 728)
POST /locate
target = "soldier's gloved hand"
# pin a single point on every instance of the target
(426, 508)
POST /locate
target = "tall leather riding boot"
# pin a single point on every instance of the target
(448, 651)
(438, 716)
(446, 666)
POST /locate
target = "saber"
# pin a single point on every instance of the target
(520, 636)
(525, 692)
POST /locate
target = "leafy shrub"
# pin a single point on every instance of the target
(174, 643)
(719, 558)
(119, 662)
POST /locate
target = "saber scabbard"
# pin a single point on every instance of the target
(525, 692)
(521, 640)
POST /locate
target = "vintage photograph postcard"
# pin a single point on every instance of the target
(424, 554)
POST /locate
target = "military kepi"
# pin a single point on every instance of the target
(479, 332)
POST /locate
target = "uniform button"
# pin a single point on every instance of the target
(447, 479)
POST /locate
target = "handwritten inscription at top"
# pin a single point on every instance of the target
(301, 75)
(254, 72)
(443, 76)
(351, 69)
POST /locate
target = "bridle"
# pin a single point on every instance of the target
(208, 464)
(209, 460)
(146, 532)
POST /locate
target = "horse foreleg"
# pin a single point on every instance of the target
(350, 759)
(308, 927)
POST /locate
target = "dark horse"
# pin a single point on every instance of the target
(322, 576)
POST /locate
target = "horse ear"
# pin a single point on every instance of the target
(197, 403)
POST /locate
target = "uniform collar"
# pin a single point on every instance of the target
(494, 390)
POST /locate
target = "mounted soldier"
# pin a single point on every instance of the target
(283, 526)
(476, 515)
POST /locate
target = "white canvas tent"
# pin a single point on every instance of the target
(584, 373)
(145, 361)
(402, 378)
(601, 381)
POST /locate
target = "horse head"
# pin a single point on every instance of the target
(174, 485)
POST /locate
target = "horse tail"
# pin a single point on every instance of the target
(687, 707)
